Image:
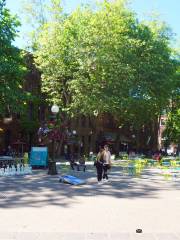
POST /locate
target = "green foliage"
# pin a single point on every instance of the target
(12, 68)
(29, 126)
(172, 131)
(104, 60)
(29, 118)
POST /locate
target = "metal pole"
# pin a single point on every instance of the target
(52, 163)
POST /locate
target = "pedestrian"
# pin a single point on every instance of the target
(72, 162)
(106, 162)
(99, 164)
(66, 152)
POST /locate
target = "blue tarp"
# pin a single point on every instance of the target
(71, 180)
(39, 156)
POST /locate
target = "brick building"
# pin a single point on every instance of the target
(11, 128)
(90, 131)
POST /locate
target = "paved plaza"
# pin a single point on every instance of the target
(38, 207)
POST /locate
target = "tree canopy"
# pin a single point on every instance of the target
(172, 131)
(105, 60)
(11, 64)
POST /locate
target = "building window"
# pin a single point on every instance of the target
(18, 116)
(89, 139)
(109, 121)
(90, 122)
(41, 113)
(77, 122)
(83, 121)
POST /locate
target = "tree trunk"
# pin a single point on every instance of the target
(117, 143)
(59, 147)
(155, 132)
(63, 133)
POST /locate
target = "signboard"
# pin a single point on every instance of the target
(39, 156)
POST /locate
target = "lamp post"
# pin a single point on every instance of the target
(52, 163)
(74, 132)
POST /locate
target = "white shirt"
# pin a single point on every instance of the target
(107, 157)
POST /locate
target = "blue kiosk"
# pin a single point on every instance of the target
(39, 157)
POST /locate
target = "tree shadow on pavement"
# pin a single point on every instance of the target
(39, 189)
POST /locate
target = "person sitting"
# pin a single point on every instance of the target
(81, 164)
(157, 156)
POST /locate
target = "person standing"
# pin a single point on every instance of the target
(66, 152)
(106, 162)
(99, 164)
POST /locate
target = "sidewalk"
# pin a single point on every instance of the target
(89, 236)
(40, 207)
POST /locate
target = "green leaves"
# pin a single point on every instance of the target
(12, 67)
(104, 60)
(172, 132)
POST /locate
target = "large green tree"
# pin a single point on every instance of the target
(11, 64)
(104, 60)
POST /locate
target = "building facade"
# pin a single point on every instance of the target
(15, 130)
(86, 133)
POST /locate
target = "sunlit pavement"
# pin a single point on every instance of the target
(39, 207)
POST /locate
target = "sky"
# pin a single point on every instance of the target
(169, 11)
